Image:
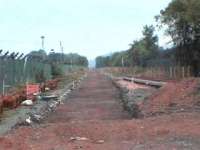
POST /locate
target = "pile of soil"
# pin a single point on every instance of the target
(14, 98)
(17, 95)
(176, 96)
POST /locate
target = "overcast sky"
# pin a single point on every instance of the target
(88, 27)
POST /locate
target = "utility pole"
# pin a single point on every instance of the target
(62, 51)
(42, 38)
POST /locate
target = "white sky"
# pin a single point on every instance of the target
(88, 27)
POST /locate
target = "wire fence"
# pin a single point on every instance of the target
(17, 72)
(18, 69)
(155, 73)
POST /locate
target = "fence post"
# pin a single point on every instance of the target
(175, 72)
(183, 72)
(171, 72)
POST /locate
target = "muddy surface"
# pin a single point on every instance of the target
(92, 118)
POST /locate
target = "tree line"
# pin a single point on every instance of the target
(58, 58)
(181, 20)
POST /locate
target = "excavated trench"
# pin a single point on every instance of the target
(133, 94)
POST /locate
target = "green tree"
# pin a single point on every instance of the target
(145, 49)
(37, 55)
(150, 41)
(182, 17)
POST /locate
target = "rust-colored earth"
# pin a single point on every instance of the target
(93, 119)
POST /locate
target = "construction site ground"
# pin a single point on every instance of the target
(92, 118)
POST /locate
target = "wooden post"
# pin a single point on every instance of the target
(171, 72)
(174, 70)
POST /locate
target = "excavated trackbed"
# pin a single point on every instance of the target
(93, 119)
(96, 99)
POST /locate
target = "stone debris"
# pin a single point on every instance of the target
(132, 95)
(38, 97)
(78, 139)
(52, 106)
(28, 120)
(47, 89)
(36, 94)
(100, 142)
(36, 118)
(27, 103)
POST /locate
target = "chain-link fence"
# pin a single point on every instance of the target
(15, 72)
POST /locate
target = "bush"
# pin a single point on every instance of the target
(56, 71)
(40, 76)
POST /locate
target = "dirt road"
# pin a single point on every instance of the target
(93, 119)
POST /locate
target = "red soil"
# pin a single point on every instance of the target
(177, 96)
(93, 112)
(15, 97)
(130, 85)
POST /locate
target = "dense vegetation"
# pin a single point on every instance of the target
(144, 52)
(58, 58)
(56, 62)
(182, 20)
